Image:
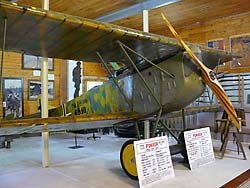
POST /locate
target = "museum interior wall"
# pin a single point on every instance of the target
(93, 72)
(13, 68)
(220, 29)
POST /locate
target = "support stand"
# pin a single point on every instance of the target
(225, 137)
(93, 136)
(240, 148)
(2, 142)
(76, 146)
(5, 142)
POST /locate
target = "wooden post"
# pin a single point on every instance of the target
(44, 103)
(145, 29)
(145, 21)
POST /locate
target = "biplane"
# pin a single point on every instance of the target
(160, 74)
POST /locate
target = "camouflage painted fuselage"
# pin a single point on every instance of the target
(173, 93)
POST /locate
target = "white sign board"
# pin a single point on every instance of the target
(199, 147)
(153, 161)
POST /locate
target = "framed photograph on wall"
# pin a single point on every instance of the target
(12, 97)
(216, 44)
(240, 44)
(34, 89)
(35, 62)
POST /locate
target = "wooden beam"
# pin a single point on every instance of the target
(44, 102)
(135, 9)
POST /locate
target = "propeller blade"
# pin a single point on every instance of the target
(209, 78)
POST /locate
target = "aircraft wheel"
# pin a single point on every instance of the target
(127, 159)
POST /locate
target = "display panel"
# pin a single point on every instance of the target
(12, 97)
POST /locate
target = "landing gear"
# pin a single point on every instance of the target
(182, 141)
(127, 158)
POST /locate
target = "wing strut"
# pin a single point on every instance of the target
(139, 73)
(209, 78)
(146, 84)
(113, 78)
(147, 60)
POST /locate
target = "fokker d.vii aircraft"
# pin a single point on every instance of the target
(160, 75)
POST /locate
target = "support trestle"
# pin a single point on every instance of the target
(228, 128)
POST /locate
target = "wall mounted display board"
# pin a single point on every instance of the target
(34, 89)
(216, 44)
(92, 84)
(35, 62)
(12, 89)
(199, 147)
(240, 44)
(153, 161)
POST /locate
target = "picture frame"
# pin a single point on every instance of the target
(218, 44)
(34, 89)
(12, 91)
(35, 62)
(240, 44)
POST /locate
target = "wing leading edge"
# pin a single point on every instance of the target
(77, 122)
(56, 35)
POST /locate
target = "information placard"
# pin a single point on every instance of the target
(153, 161)
(199, 147)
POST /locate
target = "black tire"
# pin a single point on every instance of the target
(124, 163)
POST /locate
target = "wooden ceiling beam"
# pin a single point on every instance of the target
(135, 9)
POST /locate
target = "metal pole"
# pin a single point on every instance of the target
(157, 122)
(44, 103)
(146, 129)
(183, 119)
(137, 130)
(170, 132)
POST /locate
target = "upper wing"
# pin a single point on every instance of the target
(20, 126)
(52, 34)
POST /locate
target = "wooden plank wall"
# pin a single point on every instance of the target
(93, 72)
(63, 82)
(220, 28)
(12, 68)
(93, 69)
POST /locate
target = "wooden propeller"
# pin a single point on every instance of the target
(209, 78)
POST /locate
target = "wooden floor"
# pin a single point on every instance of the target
(243, 181)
